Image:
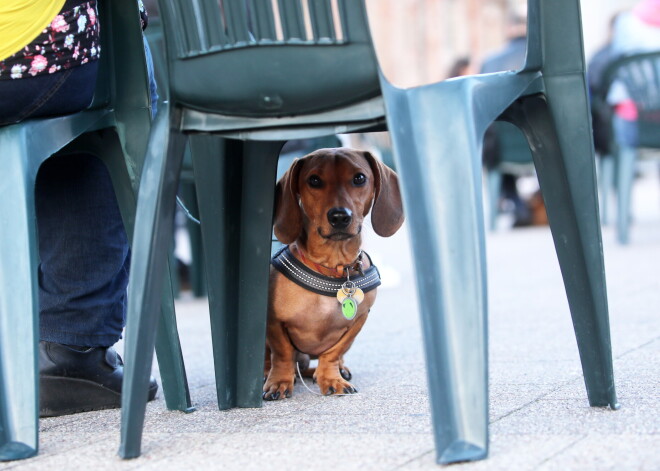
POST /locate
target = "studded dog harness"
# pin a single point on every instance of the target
(300, 274)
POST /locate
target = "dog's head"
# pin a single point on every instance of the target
(331, 191)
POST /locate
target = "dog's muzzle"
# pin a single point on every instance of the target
(340, 218)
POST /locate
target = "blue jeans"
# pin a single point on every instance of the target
(84, 253)
(47, 95)
(83, 247)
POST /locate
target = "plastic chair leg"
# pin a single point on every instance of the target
(168, 347)
(563, 155)
(626, 158)
(605, 181)
(494, 185)
(168, 351)
(175, 282)
(151, 240)
(19, 313)
(217, 177)
(259, 175)
(235, 186)
(441, 183)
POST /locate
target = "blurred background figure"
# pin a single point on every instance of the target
(510, 57)
(601, 111)
(462, 66)
(637, 30)
(601, 118)
(633, 96)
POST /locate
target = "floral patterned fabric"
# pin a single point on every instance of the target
(71, 39)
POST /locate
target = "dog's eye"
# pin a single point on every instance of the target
(314, 181)
(359, 179)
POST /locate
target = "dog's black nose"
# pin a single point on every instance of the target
(340, 218)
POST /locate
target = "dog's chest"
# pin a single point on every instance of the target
(311, 311)
(314, 322)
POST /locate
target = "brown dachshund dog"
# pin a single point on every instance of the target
(320, 205)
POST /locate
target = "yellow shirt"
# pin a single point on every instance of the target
(23, 20)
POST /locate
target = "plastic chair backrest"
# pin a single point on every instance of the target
(112, 89)
(263, 58)
(127, 99)
(640, 74)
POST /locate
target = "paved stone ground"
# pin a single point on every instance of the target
(539, 416)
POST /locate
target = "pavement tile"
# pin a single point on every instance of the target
(288, 450)
(573, 416)
(597, 452)
(506, 453)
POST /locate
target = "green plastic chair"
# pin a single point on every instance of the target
(231, 91)
(640, 73)
(515, 158)
(547, 100)
(115, 128)
(238, 74)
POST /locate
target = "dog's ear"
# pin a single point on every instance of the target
(387, 212)
(287, 221)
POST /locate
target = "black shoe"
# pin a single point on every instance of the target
(72, 381)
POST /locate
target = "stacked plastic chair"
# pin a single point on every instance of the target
(115, 129)
(232, 74)
(238, 70)
(640, 75)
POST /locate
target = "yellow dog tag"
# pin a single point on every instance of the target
(358, 295)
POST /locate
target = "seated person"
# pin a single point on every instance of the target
(49, 51)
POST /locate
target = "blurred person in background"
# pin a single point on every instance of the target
(637, 30)
(511, 57)
(461, 66)
(601, 111)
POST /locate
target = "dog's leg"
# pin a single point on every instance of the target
(279, 383)
(331, 363)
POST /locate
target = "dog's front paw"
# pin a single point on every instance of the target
(275, 389)
(345, 373)
(334, 385)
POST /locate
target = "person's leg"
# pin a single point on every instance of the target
(83, 247)
(83, 277)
